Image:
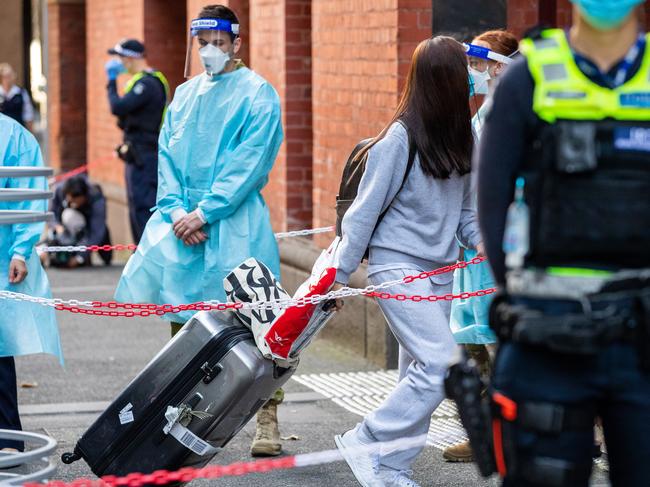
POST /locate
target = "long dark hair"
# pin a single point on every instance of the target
(434, 107)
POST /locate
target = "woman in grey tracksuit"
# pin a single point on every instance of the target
(427, 212)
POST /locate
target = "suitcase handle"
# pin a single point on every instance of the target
(210, 372)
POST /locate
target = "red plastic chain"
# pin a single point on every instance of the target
(432, 299)
(163, 477)
(150, 309)
(95, 248)
(67, 175)
(82, 169)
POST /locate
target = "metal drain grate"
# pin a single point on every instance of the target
(361, 392)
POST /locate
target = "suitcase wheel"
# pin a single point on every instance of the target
(69, 458)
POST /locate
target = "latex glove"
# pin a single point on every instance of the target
(480, 250)
(188, 225)
(196, 238)
(17, 271)
(114, 68)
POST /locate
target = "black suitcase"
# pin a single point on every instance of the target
(210, 377)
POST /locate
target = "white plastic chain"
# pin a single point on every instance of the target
(53, 302)
(345, 292)
(278, 236)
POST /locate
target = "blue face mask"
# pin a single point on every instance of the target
(472, 85)
(606, 14)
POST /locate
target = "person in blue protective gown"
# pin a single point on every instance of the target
(218, 143)
(489, 55)
(25, 328)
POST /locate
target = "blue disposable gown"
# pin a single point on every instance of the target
(25, 328)
(219, 141)
(469, 317)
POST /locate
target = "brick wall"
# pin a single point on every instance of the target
(267, 55)
(414, 24)
(361, 53)
(354, 87)
(67, 109)
(165, 36)
(298, 113)
(107, 22)
(11, 35)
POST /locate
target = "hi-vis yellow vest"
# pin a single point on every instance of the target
(563, 92)
(156, 74)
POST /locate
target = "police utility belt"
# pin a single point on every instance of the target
(619, 312)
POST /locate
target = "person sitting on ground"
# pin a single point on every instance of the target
(79, 209)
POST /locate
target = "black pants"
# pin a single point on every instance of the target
(141, 187)
(609, 384)
(9, 419)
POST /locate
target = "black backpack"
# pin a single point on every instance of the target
(351, 178)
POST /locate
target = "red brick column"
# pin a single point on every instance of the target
(414, 25)
(66, 83)
(165, 36)
(298, 113)
(107, 22)
(280, 51)
(267, 58)
(361, 53)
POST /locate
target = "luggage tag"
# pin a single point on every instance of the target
(176, 427)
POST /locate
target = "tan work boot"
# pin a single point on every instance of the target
(267, 435)
(461, 453)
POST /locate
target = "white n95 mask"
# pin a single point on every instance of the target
(213, 59)
(480, 79)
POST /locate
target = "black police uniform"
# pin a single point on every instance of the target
(13, 107)
(553, 388)
(140, 113)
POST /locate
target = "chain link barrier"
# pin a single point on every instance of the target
(82, 169)
(111, 308)
(97, 248)
(187, 474)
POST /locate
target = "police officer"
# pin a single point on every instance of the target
(14, 100)
(564, 189)
(140, 112)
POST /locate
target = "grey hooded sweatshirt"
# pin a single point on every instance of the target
(425, 220)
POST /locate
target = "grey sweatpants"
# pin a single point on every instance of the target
(426, 347)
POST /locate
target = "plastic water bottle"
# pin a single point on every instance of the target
(516, 240)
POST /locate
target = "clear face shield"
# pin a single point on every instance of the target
(479, 67)
(215, 45)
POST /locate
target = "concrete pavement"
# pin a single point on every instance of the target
(104, 354)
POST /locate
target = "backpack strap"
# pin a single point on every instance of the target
(413, 149)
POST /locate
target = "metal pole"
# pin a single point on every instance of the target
(46, 447)
(19, 194)
(11, 217)
(25, 172)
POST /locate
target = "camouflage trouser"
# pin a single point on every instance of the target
(277, 398)
(482, 358)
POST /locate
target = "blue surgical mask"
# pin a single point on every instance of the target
(472, 88)
(606, 14)
(480, 80)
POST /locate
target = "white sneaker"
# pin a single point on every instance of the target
(396, 478)
(363, 463)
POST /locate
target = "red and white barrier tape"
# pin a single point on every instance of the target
(109, 308)
(97, 248)
(82, 169)
(187, 474)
